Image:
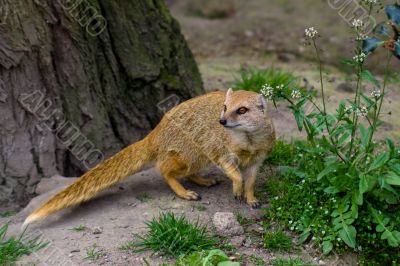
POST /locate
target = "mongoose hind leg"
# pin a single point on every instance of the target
(206, 182)
(171, 169)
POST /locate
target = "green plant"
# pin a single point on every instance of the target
(213, 257)
(341, 189)
(282, 153)
(257, 261)
(171, 235)
(253, 78)
(277, 240)
(7, 214)
(12, 248)
(200, 207)
(79, 228)
(144, 197)
(244, 220)
(93, 253)
(290, 262)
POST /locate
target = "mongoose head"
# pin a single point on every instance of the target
(243, 111)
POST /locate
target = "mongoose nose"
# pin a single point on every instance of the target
(222, 122)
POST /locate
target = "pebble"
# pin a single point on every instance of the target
(97, 230)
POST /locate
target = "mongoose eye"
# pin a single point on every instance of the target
(242, 110)
(224, 108)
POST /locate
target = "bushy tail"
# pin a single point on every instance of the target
(126, 162)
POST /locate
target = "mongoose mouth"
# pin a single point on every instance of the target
(231, 126)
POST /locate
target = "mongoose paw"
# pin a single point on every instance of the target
(213, 182)
(255, 204)
(239, 198)
(191, 195)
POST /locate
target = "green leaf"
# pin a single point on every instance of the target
(391, 146)
(365, 135)
(348, 234)
(327, 247)
(357, 197)
(299, 116)
(393, 179)
(328, 169)
(367, 182)
(393, 238)
(228, 263)
(304, 236)
(367, 75)
(380, 161)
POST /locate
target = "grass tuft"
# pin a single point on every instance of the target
(171, 235)
(144, 197)
(93, 253)
(277, 240)
(290, 262)
(79, 228)
(254, 78)
(12, 248)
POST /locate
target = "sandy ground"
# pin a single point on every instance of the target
(119, 213)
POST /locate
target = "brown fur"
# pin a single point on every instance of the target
(188, 138)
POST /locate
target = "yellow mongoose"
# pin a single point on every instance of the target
(190, 137)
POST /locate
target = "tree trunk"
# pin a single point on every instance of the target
(79, 80)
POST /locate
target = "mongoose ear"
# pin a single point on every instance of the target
(229, 93)
(262, 102)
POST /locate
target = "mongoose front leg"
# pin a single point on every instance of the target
(237, 180)
(250, 175)
(206, 182)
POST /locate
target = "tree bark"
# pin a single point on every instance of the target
(79, 80)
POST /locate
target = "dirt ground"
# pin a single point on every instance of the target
(116, 214)
(254, 33)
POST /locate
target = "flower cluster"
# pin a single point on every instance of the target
(362, 111)
(357, 23)
(360, 58)
(267, 91)
(376, 93)
(311, 32)
(296, 94)
(370, 2)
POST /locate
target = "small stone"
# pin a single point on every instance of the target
(346, 87)
(286, 57)
(247, 243)
(97, 230)
(321, 262)
(226, 224)
(237, 241)
(256, 228)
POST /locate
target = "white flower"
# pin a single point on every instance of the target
(357, 23)
(280, 87)
(349, 109)
(267, 91)
(361, 36)
(290, 222)
(369, 2)
(376, 93)
(296, 94)
(311, 32)
(362, 111)
(360, 58)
